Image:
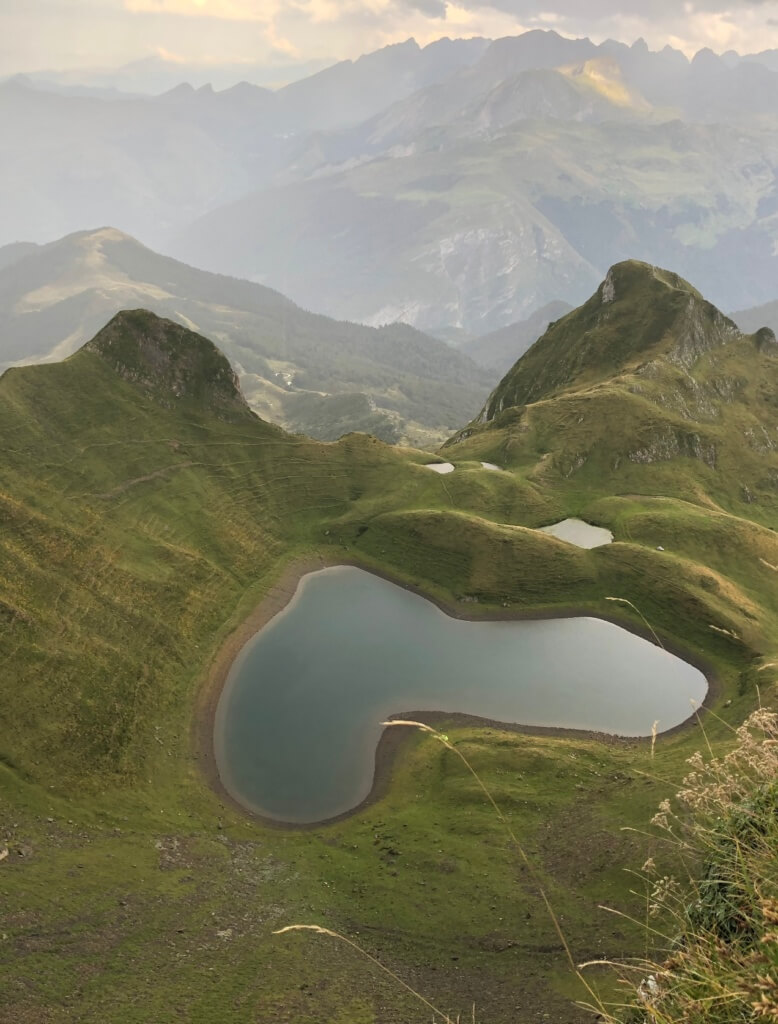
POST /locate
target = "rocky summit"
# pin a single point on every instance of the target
(645, 373)
(169, 362)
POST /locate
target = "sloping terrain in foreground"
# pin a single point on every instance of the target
(145, 511)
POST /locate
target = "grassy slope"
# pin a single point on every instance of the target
(652, 391)
(148, 530)
(56, 298)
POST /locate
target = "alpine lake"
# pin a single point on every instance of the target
(300, 716)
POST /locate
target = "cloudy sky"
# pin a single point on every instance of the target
(62, 34)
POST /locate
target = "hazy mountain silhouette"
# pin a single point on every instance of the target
(307, 372)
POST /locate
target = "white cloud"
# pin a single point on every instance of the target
(69, 33)
(227, 10)
(746, 29)
(169, 55)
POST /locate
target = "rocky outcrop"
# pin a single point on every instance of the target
(169, 363)
(640, 320)
(670, 444)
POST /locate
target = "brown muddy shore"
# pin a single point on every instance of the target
(281, 594)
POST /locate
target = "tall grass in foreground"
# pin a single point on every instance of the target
(444, 1017)
(373, 960)
(716, 933)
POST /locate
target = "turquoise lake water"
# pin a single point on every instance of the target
(300, 716)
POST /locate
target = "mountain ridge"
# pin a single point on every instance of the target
(54, 298)
(647, 385)
(595, 338)
(169, 362)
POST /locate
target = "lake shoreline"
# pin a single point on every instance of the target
(281, 595)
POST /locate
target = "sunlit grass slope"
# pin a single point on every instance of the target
(647, 388)
(145, 510)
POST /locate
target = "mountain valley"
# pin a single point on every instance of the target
(458, 187)
(161, 509)
(388, 512)
(306, 372)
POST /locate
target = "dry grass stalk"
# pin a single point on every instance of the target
(368, 956)
(442, 738)
(721, 966)
(724, 632)
(634, 607)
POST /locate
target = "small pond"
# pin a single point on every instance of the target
(299, 719)
(440, 467)
(583, 535)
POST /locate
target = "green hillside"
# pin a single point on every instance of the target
(649, 387)
(146, 510)
(306, 372)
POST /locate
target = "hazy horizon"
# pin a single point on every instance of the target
(278, 40)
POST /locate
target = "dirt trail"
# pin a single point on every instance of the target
(143, 479)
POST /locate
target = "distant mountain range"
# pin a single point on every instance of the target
(458, 187)
(152, 164)
(516, 182)
(766, 315)
(473, 234)
(153, 75)
(306, 372)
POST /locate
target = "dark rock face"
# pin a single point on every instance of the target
(766, 341)
(169, 362)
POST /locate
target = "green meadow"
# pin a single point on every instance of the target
(145, 511)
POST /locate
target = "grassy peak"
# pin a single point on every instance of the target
(633, 274)
(639, 313)
(168, 362)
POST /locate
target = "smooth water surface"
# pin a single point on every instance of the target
(440, 467)
(583, 535)
(300, 717)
